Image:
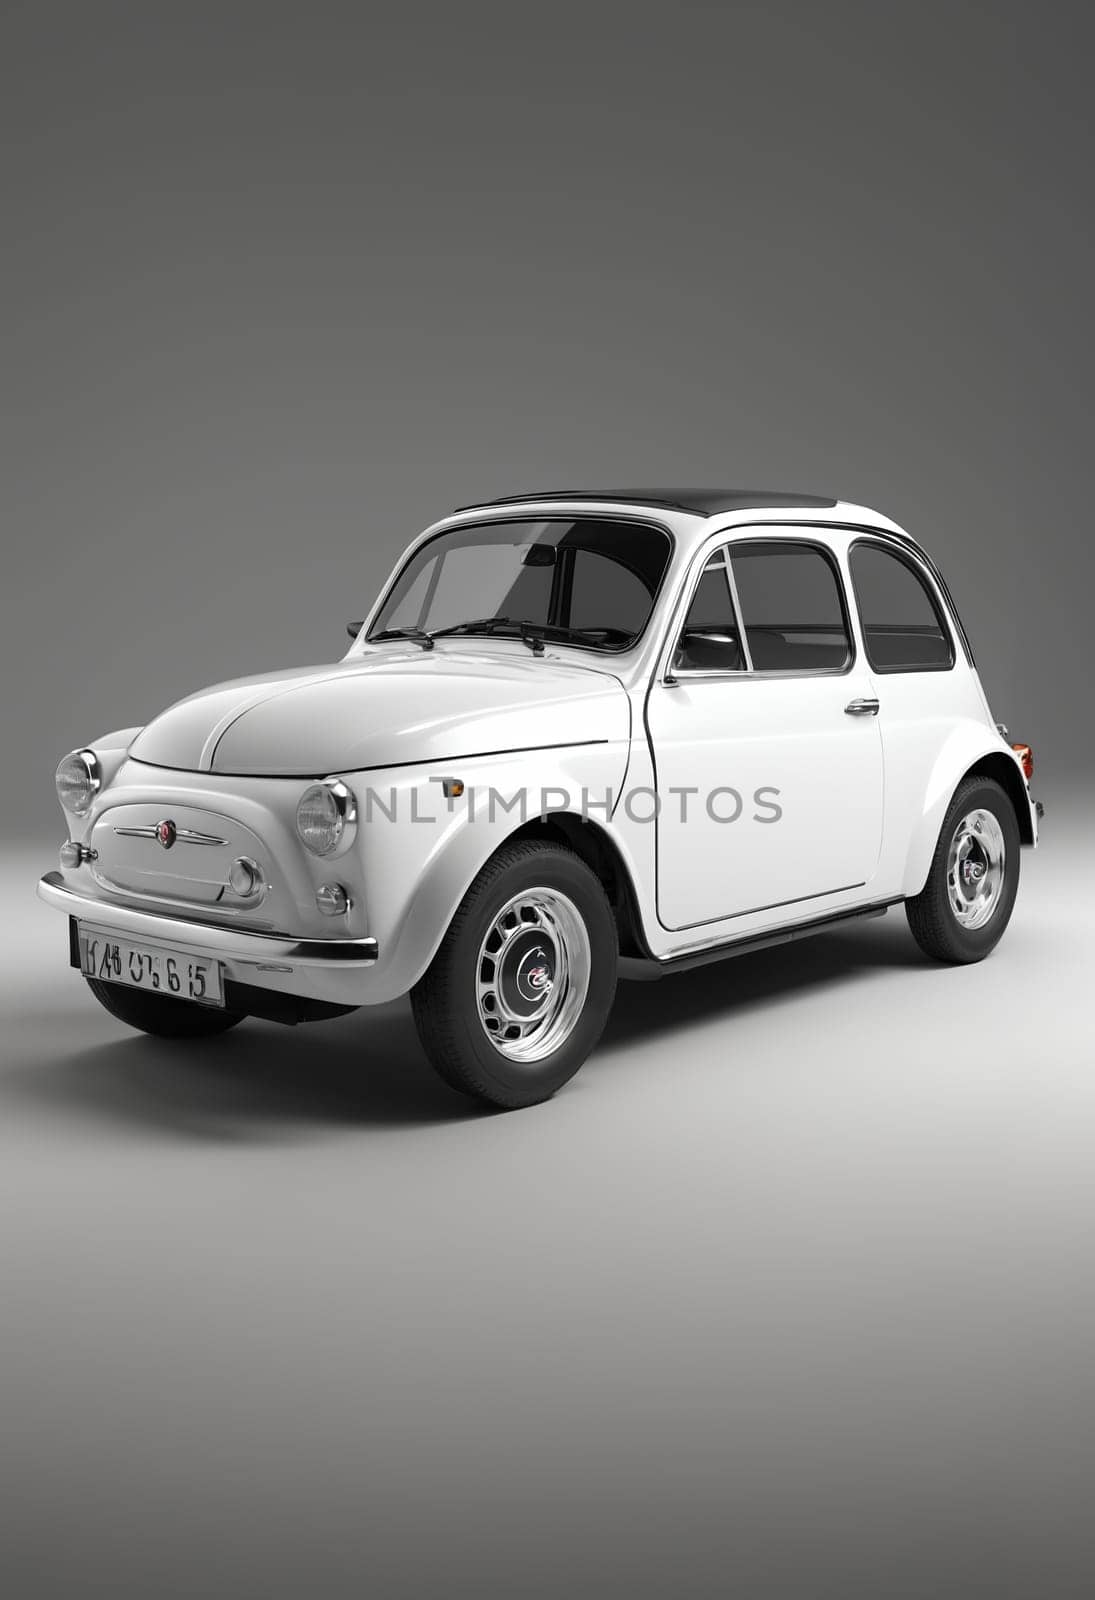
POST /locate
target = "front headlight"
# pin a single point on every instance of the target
(79, 779)
(327, 818)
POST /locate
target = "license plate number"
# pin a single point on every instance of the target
(139, 966)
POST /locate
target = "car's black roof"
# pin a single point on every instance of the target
(704, 502)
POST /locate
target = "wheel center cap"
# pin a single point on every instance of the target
(528, 972)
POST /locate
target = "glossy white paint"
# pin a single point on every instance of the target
(862, 799)
(784, 766)
(389, 704)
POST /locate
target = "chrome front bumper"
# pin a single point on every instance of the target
(258, 949)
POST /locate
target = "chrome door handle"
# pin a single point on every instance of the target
(861, 708)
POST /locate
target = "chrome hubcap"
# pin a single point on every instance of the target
(975, 868)
(533, 974)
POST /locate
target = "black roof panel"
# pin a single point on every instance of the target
(704, 502)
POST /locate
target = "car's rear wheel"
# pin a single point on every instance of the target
(522, 983)
(963, 909)
(163, 1014)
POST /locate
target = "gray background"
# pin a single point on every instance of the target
(281, 285)
(791, 1292)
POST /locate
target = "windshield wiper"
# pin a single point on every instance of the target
(478, 625)
(488, 625)
(557, 630)
(419, 635)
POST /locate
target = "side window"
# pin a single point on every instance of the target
(709, 639)
(902, 626)
(792, 608)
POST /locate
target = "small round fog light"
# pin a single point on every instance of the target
(244, 877)
(332, 900)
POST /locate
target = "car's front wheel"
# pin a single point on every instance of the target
(522, 983)
(162, 1014)
(966, 904)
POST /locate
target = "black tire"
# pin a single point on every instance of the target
(932, 917)
(163, 1014)
(445, 1001)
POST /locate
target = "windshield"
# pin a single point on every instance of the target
(589, 582)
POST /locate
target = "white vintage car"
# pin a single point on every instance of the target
(580, 736)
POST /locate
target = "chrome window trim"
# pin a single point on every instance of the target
(555, 515)
(920, 570)
(715, 558)
(739, 619)
(905, 544)
(670, 676)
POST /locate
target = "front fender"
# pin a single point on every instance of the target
(110, 750)
(420, 852)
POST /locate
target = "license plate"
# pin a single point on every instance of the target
(139, 966)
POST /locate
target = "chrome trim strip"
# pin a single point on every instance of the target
(384, 766)
(735, 602)
(169, 904)
(749, 533)
(754, 911)
(647, 967)
(520, 511)
(227, 942)
(182, 835)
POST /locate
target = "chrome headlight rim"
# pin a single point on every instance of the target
(345, 822)
(93, 775)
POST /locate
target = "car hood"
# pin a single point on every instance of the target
(387, 707)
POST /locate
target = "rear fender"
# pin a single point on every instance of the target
(969, 751)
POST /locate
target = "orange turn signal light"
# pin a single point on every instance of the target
(1026, 759)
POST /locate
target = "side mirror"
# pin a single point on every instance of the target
(354, 628)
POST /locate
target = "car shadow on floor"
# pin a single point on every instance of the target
(261, 1083)
(733, 987)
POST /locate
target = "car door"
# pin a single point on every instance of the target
(765, 740)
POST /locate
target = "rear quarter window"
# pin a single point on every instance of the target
(903, 627)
